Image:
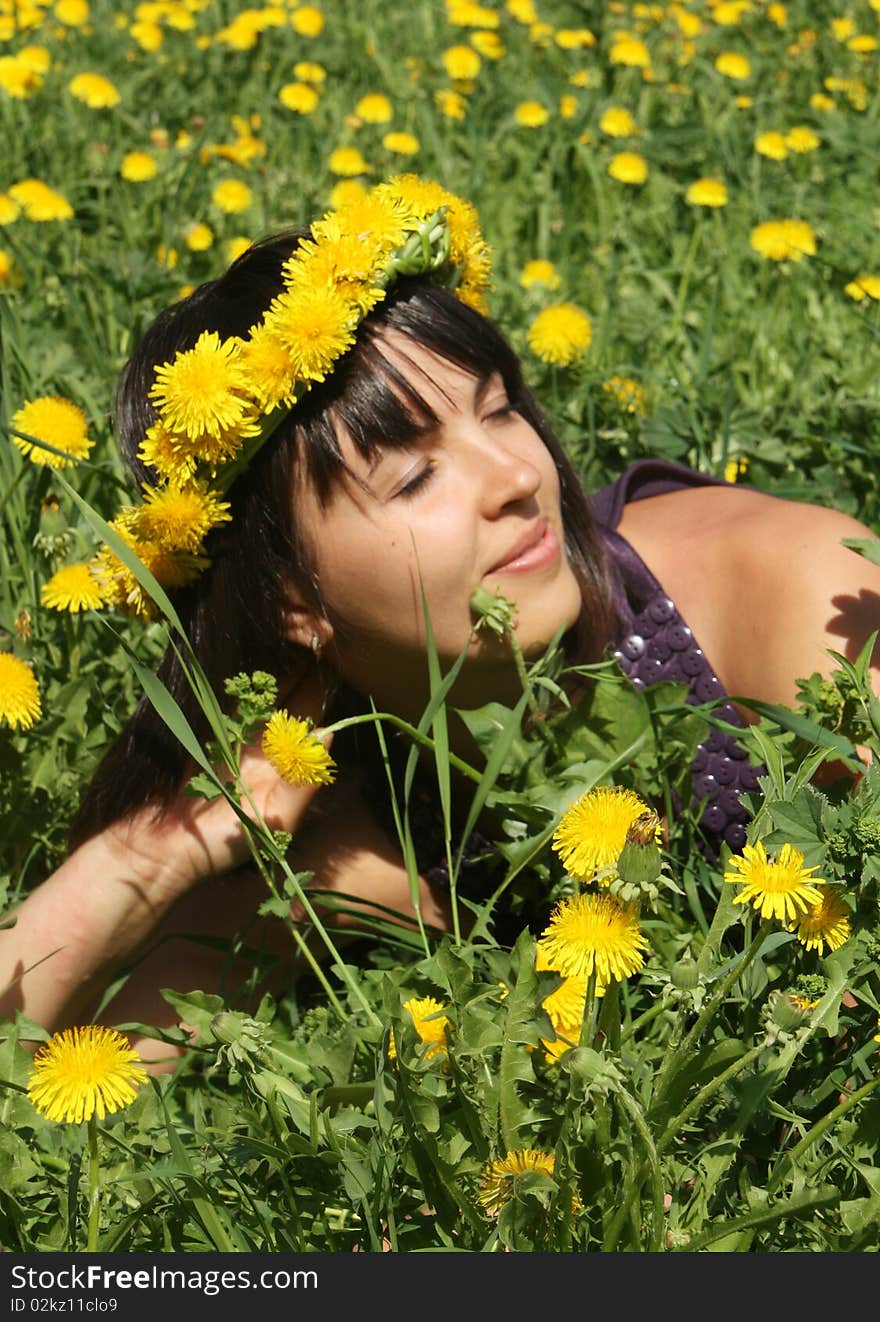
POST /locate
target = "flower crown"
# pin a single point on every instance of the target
(219, 402)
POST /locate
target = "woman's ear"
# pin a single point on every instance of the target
(305, 623)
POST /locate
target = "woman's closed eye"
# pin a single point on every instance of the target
(417, 481)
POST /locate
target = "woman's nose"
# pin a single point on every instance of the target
(509, 478)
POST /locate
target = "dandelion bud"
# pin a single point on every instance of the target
(639, 863)
(53, 521)
(684, 975)
(492, 611)
(788, 1014)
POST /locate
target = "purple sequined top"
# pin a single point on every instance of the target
(652, 643)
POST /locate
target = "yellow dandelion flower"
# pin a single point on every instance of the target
(17, 79)
(465, 14)
(783, 240)
(863, 43)
(351, 262)
(593, 934)
(567, 106)
(232, 196)
(430, 1024)
(689, 25)
(169, 453)
(779, 888)
(863, 286)
(539, 272)
(166, 256)
(120, 586)
(742, 102)
(19, 693)
(94, 90)
(822, 103)
(522, 10)
(308, 21)
(200, 391)
(628, 393)
(771, 144)
(592, 832)
(346, 192)
(307, 71)
(707, 193)
(827, 923)
(802, 139)
(39, 202)
(498, 1179)
(734, 469)
(72, 588)
(730, 64)
(316, 326)
(270, 369)
(347, 161)
(72, 13)
(575, 38)
(803, 1003)
(374, 108)
(244, 151)
(299, 97)
(84, 1072)
(380, 216)
(489, 45)
(560, 334)
(401, 144)
(530, 114)
(451, 104)
(729, 13)
(236, 247)
(618, 122)
(565, 1010)
(461, 63)
(56, 421)
(199, 237)
(179, 518)
(631, 52)
(296, 752)
(138, 166)
(149, 36)
(628, 167)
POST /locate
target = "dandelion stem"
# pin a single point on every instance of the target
(425, 740)
(681, 1051)
(94, 1187)
(677, 1124)
(790, 1159)
(588, 1025)
(652, 1160)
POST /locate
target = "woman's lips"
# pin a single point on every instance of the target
(542, 552)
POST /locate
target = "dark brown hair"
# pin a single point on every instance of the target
(234, 612)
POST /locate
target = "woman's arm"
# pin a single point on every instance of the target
(350, 857)
(106, 901)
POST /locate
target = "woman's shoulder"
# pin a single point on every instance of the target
(765, 583)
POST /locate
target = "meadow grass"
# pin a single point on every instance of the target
(292, 1125)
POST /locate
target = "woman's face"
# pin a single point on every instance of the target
(473, 503)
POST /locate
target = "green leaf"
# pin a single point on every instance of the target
(519, 1032)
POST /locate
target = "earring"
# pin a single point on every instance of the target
(315, 645)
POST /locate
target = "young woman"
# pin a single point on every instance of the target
(417, 458)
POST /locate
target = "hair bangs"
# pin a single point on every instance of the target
(375, 398)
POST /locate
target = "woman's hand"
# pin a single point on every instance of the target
(107, 900)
